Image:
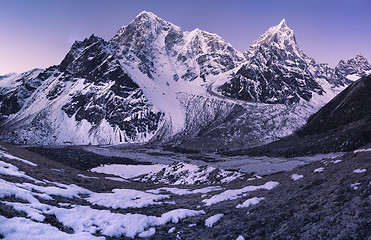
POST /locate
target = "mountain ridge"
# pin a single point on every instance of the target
(154, 81)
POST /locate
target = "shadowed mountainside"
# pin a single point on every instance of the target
(343, 124)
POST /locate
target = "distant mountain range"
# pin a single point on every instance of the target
(154, 82)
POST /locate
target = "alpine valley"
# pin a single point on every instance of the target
(154, 82)
(161, 133)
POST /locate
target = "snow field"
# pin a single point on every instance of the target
(174, 174)
(84, 220)
(128, 171)
(22, 228)
(125, 198)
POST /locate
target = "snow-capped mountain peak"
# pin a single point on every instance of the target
(283, 22)
(279, 36)
(276, 71)
(144, 26)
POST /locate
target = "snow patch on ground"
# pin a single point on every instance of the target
(150, 232)
(296, 177)
(63, 190)
(209, 222)
(184, 173)
(319, 170)
(125, 198)
(10, 169)
(22, 229)
(236, 193)
(353, 77)
(174, 174)
(86, 219)
(355, 186)
(362, 150)
(6, 155)
(8, 189)
(117, 179)
(84, 176)
(128, 171)
(250, 201)
(360, 170)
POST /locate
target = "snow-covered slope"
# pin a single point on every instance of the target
(154, 81)
(277, 71)
(87, 99)
(15, 89)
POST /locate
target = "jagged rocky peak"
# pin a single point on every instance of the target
(356, 67)
(211, 42)
(360, 60)
(156, 46)
(83, 53)
(146, 26)
(276, 71)
(279, 36)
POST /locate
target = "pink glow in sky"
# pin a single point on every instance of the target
(38, 33)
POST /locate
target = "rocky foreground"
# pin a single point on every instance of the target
(328, 199)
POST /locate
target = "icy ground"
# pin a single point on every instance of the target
(94, 217)
(174, 174)
(329, 199)
(159, 158)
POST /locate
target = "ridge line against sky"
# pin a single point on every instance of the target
(39, 33)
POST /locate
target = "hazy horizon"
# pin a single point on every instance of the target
(38, 34)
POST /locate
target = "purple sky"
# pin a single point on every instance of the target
(39, 33)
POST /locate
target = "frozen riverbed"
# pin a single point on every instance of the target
(259, 165)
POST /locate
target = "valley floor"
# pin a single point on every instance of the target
(56, 199)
